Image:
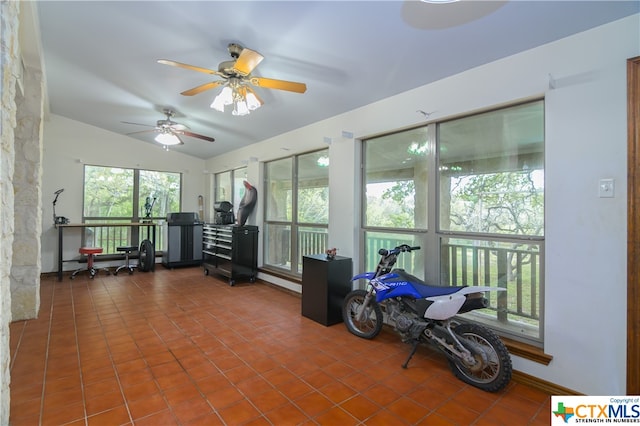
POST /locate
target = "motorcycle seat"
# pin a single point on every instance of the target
(424, 289)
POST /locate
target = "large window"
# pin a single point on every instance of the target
(229, 186)
(470, 192)
(396, 180)
(239, 176)
(223, 190)
(491, 172)
(296, 209)
(396, 195)
(119, 195)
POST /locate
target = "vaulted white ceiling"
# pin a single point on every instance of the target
(100, 56)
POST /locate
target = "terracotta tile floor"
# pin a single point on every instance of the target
(176, 347)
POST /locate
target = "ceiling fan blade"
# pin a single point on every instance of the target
(195, 135)
(271, 83)
(202, 88)
(187, 66)
(143, 131)
(247, 61)
(178, 126)
(137, 124)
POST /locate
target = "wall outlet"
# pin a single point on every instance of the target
(606, 188)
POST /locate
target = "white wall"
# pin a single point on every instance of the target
(585, 270)
(68, 145)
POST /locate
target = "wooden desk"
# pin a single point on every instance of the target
(151, 228)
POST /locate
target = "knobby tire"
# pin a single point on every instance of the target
(371, 326)
(497, 373)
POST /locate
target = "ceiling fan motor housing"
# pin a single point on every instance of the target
(235, 50)
(226, 67)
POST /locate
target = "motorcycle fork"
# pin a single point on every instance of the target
(360, 316)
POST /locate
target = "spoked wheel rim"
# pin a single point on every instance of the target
(484, 371)
(369, 319)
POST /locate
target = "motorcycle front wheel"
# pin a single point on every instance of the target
(490, 373)
(370, 322)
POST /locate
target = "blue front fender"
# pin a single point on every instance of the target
(364, 276)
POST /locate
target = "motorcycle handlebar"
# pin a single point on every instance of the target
(399, 249)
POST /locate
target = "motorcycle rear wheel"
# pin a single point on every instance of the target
(495, 374)
(371, 324)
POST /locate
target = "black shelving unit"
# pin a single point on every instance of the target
(230, 251)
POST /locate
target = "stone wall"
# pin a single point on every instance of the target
(9, 54)
(27, 179)
(21, 94)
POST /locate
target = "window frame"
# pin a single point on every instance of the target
(137, 204)
(431, 238)
(294, 223)
(236, 190)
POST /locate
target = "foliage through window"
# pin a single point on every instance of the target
(396, 180)
(470, 192)
(223, 190)
(121, 195)
(491, 172)
(229, 186)
(296, 209)
(116, 193)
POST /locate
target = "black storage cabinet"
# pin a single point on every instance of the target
(231, 251)
(325, 283)
(182, 236)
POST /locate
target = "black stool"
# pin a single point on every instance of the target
(127, 251)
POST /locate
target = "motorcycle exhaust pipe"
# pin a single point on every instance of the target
(474, 301)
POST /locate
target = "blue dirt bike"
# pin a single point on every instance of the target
(424, 313)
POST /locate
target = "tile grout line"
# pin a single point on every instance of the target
(230, 349)
(46, 356)
(540, 410)
(75, 332)
(15, 354)
(113, 364)
(155, 379)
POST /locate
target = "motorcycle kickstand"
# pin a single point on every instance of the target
(414, 347)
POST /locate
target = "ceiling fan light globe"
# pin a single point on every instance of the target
(226, 95)
(241, 108)
(253, 102)
(218, 104)
(167, 139)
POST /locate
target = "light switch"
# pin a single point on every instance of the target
(606, 188)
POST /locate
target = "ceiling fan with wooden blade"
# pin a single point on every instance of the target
(169, 131)
(237, 71)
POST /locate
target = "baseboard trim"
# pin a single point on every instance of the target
(526, 351)
(541, 385)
